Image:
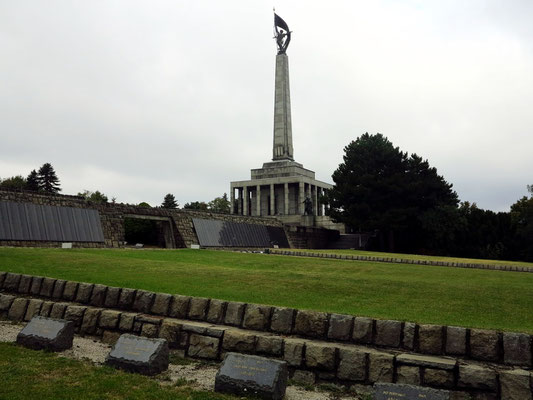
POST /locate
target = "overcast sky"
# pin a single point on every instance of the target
(142, 98)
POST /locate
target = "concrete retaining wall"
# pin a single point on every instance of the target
(319, 347)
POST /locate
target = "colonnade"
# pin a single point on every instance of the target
(286, 198)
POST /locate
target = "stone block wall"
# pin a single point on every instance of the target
(112, 219)
(318, 346)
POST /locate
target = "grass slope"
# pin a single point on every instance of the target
(29, 374)
(424, 294)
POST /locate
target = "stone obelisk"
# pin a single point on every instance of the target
(282, 149)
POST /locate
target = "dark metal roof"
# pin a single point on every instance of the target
(214, 233)
(27, 221)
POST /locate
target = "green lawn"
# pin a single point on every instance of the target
(419, 257)
(30, 374)
(425, 294)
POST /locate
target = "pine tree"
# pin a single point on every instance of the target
(32, 181)
(378, 187)
(48, 180)
(169, 201)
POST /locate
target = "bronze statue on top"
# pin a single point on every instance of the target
(283, 35)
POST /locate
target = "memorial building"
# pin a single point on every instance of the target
(283, 188)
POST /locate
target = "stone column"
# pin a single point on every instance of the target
(258, 203)
(319, 206)
(315, 201)
(239, 202)
(232, 199)
(272, 200)
(325, 205)
(282, 149)
(301, 207)
(286, 199)
(245, 200)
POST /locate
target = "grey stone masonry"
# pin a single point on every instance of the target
(203, 347)
(34, 307)
(234, 313)
(340, 327)
(36, 285)
(516, 384)
(17, 310)
(98, 295)
(484, 344)
(161, 303)
(282, 319)
(126, 298)
(329, 347)
(24, 284)
(198, 308)
(283, 149)
(111, 297)
(327, 360)
(6, 301)
(363, 330)
(388, 333)
(179, 306)
(409, 332)
(47, 287)
(517, 349)
(257, 317)
(320, 356)
(143, 301)
(90, 321)
(11, 282)
(69, 292)
(59, 287)
(310, 323)
(456, 340)
(430, 339)
(84, 293)
(216, 311)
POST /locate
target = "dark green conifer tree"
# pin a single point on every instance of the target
(32, 181)
(48, 180)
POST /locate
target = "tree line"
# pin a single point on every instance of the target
(408, 207)
(44, 180)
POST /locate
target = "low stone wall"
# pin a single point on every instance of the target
(515, 268)
(319, 347)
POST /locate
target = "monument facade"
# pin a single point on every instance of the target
(283, 188)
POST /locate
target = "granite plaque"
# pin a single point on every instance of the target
(47, 333)
(139, 354)
(393, 391)
(261, 377)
